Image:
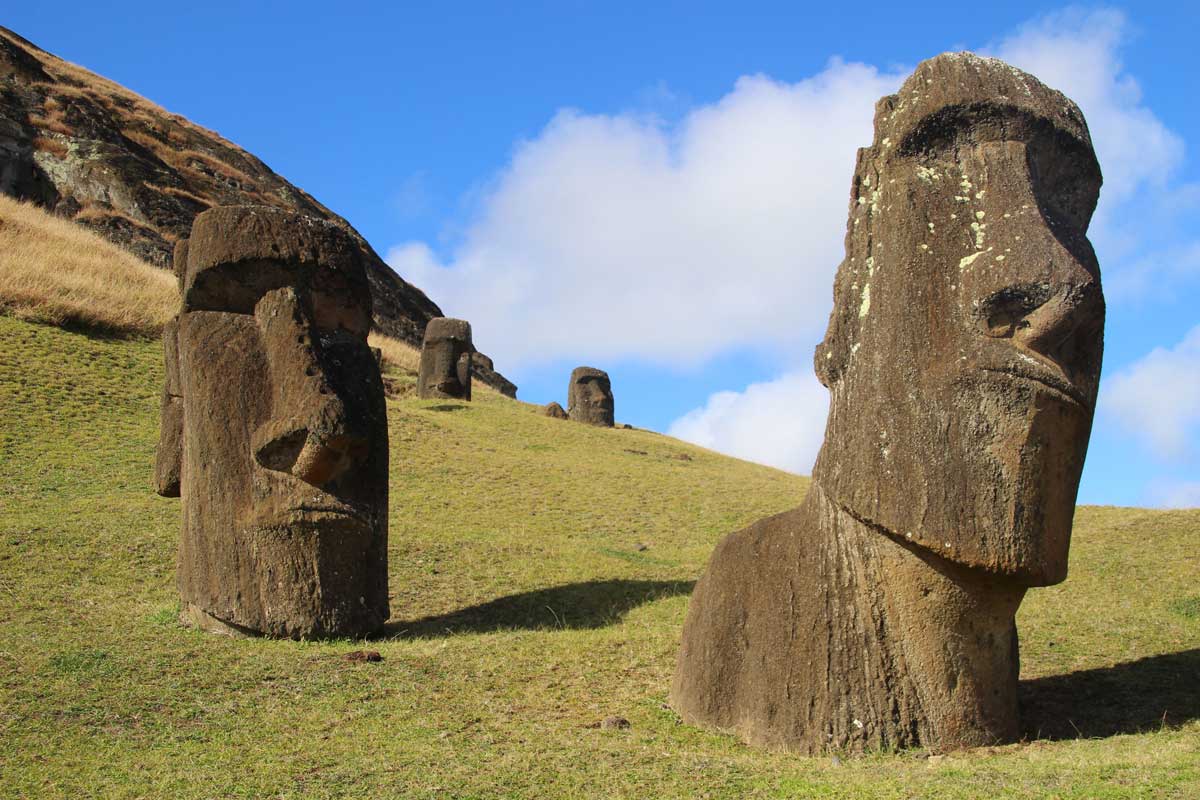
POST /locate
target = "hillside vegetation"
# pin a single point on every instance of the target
(53, 271)
(539, 578)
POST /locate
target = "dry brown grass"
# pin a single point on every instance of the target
(55, 147)
(397, 355)
(53, 271)
(174, 191)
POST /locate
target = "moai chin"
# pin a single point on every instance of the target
(590, 397)
(962, 358)
(446, 360)
(274, 429)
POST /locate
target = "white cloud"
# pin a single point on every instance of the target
(779, 422)
(623, 236)
(1180, 494)
(1158, 398)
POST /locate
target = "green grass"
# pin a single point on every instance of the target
(539, 577)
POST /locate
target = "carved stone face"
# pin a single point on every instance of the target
(964, 350)
(446, 359)
(590, 397)
(284, 429)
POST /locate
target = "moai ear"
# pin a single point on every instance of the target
(168, 463)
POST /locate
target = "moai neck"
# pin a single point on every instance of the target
(942, 637)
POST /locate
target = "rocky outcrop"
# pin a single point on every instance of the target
(94, 152)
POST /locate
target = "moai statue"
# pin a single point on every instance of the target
(962, 357)
(554, 410)
(274, 429)
(446, 360)
(590, 397)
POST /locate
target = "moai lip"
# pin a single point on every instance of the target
(274, 429)
(963, 359)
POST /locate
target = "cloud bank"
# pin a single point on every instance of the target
(1157, 398)
(623, 236)
(780, 423)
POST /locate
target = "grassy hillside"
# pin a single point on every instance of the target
(539, 577)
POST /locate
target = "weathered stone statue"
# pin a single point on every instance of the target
(962, 358)
(274, 429)
(590, 397)
(446, 360)
(553, 409)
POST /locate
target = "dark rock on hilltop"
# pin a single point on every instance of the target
(112, 161)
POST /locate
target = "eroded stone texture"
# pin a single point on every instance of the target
(554, 410)
(590, 397)
(963, 358)
(446, 360)
(282, 434)
(169, 455)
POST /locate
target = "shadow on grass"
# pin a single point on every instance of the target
(589, 604)
(448, 407)
(1143, 695)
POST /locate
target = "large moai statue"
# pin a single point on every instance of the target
(590, 397)
(274, 429)
(446, 360)
(962, 358)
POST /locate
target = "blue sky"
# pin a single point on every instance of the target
(661, 192)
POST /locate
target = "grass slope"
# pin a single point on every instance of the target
(525, 610)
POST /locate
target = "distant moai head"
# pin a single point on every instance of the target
(590, 397)
(278, 428)
(446, 360)
(963, 351)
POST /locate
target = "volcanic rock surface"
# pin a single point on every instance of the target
(962, 359)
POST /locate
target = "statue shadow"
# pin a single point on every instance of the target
(1137, 696)
(572, 606)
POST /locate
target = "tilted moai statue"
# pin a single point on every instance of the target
(962, 357)
(446, 360)
(274, 429)
(590, 397)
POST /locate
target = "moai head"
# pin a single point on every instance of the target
(590, 397)
(963, 352)
(446, 360)
(281, 438)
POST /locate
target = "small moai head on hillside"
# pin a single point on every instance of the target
(554, 410)
(446, 360)
(964, 347)
(277, 425)
(590, 397)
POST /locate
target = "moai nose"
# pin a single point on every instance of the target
(312, 456)
(311, 433)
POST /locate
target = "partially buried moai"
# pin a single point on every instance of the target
(446, 360)
(590, 397)
(962, 357)
(274, 429)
